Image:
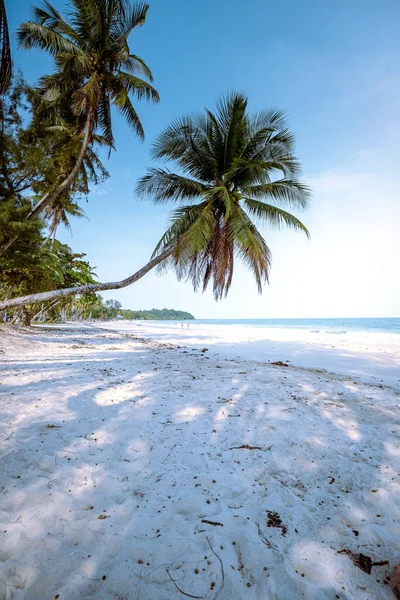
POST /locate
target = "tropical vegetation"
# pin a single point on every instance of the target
(228, 171)
(94, 70)
(155, 314)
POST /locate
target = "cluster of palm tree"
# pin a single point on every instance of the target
(227, 168)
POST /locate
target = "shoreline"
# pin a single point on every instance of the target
(129, 466)
(371, 357)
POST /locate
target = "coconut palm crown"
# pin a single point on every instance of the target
(93, 62)
(231, 168)
(94, 69)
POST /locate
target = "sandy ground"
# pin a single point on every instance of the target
(370, 356)
(138, 470)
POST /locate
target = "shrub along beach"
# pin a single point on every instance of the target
(152, 461)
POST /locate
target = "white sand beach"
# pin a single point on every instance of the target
(150, 470)
(371, 356)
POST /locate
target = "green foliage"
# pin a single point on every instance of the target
(228, 163)
(94, 67)
(35, 157)
(31, 266)
(231, 167)
(92, 307)
(21, 266)
(32, 156)
(155, 314)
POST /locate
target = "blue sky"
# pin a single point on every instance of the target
(334, 67)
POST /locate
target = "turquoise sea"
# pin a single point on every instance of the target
(378, 325)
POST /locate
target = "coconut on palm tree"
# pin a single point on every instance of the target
(94, 69)
(231, 167)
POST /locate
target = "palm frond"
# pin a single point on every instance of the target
(135, 16)
(251, 247)
(121, 100)
(230, 114)
(274, 215)
(182, 221)
(104, 118)
(137, 87)
(286, 191)
(163, 186)
(53, 19)
(134, 64)
(34, 35)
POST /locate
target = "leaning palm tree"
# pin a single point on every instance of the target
(232, 167)
(94, 68)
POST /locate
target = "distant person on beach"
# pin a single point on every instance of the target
(188, 325)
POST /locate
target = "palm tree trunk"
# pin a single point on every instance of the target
(8, 294)
(91, 287)
(16, 316)
(48, 198)
(44, 310)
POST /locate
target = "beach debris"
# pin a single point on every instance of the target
(53, 426)
(274, 520)
(246, 447)
(332, 479)
(215, 523)
(204, 350)
(222, 568)
(362, 561)
(279, 363)
(223, 400)
(396, 575)
(177, 587)
(102, 517)
(263, 538)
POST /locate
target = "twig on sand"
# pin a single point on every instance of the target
(177, 586)
(7, 438)
(264, 539)
(246, 447)
(222, 568)
(212, 523)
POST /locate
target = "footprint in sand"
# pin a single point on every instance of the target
(10, 543)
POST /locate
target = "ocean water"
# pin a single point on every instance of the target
(379, 325)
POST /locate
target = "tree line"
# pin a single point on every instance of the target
(226, 169)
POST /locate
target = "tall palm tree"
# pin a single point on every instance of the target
(231, 167)
(5, 52)
(94, 68)
(229, 163)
